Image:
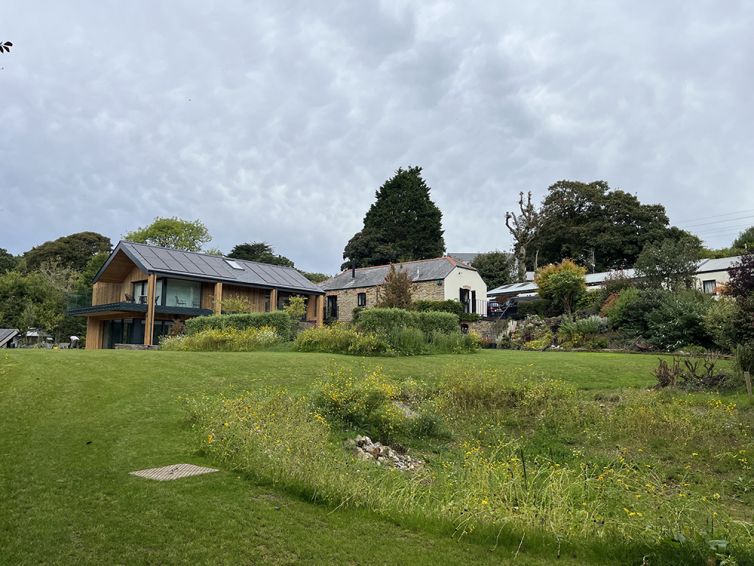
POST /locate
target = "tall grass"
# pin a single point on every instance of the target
(223, 340)
(527, 459)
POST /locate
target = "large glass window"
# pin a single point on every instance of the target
(180, 293)
(139, 292)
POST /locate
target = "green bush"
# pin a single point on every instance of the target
(538, 307)
(720, 323)
(450, 306)
(278, 320)
(408, 341)
(581, 332)
(383, 322)
(432, 321)
(455, 343)
(630, 311)
(744, 356)
(678, 321)
(223, 340)
(339, 339)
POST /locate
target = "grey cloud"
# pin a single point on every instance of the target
(278, 121)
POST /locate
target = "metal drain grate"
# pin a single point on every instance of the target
(174, 472)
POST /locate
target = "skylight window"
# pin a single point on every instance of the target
(234, 264)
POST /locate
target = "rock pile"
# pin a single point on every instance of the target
(365, 449)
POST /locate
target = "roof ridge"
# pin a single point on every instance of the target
(204, 254)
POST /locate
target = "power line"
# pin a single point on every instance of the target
(748, 217)
(717, 215)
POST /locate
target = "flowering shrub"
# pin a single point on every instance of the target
(223, 340)
(279, 320)
(339, 339)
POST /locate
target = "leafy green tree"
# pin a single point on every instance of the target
(30, 300)
(315, 277)
(496, 268)
(175, 233)
(745, 240)
(8, 261)
(670, 264)
(561, 284)
(82, 292)
(73, 251)
(403, 224)
(598, 226)
(259, 251)
(395, 292)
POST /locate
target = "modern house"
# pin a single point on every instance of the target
(438, 279)
(141, 291)
(8, 337)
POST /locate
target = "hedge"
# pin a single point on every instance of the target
(280, 321)
(387, 321)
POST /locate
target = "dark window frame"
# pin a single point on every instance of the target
(361, 299)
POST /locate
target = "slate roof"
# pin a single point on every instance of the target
(422, 270)
(6, 335)
(193, 265)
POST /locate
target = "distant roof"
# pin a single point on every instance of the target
(718, 264)
(6, 335)
(465, 257)
(422, 270)
(529, 286)
(165, 261)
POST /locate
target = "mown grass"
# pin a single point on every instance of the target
(75, 423)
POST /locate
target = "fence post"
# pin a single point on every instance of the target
(747, 378)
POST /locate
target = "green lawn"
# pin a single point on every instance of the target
(74, 423)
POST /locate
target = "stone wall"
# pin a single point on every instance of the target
(347, 298)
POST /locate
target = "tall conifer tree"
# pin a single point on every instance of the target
(403, 224)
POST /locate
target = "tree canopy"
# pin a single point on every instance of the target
(395, 292)
(259, 251)
(495, 268)
(403, 224)
(175, 233)
(598, 226)
(669, 264)
(745, 240)
(8, 261)
(561, 284)
(73, 251)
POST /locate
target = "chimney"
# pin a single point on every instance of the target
(353, 271)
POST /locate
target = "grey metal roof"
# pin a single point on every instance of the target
(422, 270)
(718, 264)
(6, 335)
(530, 286)
(165, 261)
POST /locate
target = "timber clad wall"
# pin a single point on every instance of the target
(256, 297)
(347, 298)
(105, 293)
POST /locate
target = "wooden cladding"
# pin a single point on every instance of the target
(105, 292)
(149, 323)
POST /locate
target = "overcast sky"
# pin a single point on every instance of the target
(277, 121)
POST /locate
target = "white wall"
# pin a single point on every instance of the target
(461, 278)
(720, 278)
